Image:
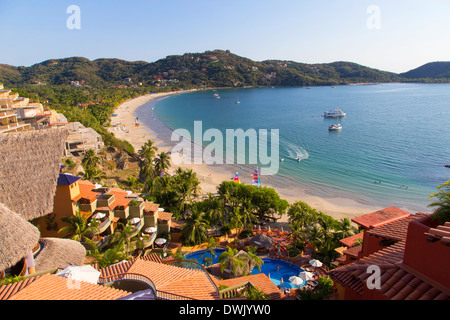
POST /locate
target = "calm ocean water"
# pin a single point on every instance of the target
(398, 134)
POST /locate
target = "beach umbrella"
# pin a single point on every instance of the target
(85, 273)
(160, 241)
(295, 280)
(99, 215)
(315, 263)
(236, 178)
(305, 275)
(150, 229)
(268, 228)
(135, 220)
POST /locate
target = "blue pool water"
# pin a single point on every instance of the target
(197, 255)
(269, 268)
(285, 271)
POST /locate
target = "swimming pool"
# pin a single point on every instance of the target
(196, 255)
(284, 271)
(269, 268)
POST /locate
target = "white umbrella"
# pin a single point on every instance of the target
(99, 215)
(160, 241)
(282, 229)
(85, 273)
(295, 280)
(315, 263)
(305, 275)
(268, 228)
(135, 220)
(150, 229)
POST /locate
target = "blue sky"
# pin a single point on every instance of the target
(410, 33)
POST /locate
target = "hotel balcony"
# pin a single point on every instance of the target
(105, 200)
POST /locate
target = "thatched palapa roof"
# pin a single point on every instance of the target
(17, 237)
(59, 253)
(29, 170)
(261, 240)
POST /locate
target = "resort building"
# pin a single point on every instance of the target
(108, 206)
(81, 139)
(28, 177)
(9, 123)
(410, 254)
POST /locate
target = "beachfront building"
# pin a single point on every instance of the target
(28, 177)
(10, 123)
(410, 254)
(110, 207)
(81, 139)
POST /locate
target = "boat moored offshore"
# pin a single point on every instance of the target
(336, 113)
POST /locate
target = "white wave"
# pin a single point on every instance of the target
(296, 152)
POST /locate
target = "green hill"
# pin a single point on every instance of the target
(216, 68)
(432, 70)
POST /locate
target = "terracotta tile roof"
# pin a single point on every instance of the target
(350, 241)
(441, 232)
(353, 251)
(353, 274)
(162, 215)
(398, 282)
(150, 207)
(152, 257)
(260, 281)
(53, 287)
(190, 283)
(120, 198)
(86, 190)
(396, 230)
(381, 217)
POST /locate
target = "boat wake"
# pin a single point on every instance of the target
(296, 152)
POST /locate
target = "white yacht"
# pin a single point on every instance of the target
(335, 127)
(336, 113)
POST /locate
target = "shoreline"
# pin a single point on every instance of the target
(211, 176)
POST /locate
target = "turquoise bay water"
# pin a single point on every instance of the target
(398, 134)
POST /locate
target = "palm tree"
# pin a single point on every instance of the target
(90, 159)
(124, 234)
(162, 162)
(345, 228)
(79, 229)
(211, 249)
(215, 211)
(442, 212)
(229, 259)
(93, 174)
(236, 219)
(248, 216)
(148, 151)
(254, 259)
(194, 230)
(110, 256)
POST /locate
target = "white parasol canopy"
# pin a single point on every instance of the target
(135, 220)
(85, 273)
(99, 215)
(295, 280)
(150, 229)
(315, 263)
(160, 241)
(305, 275)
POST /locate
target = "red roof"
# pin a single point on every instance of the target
(351, 241)
(381, 217)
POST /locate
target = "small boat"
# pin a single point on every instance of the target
(336, 113)
(282, 159)
(335, 127)
(114, 115)
(237, 102)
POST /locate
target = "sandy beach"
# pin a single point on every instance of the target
(123, 126)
